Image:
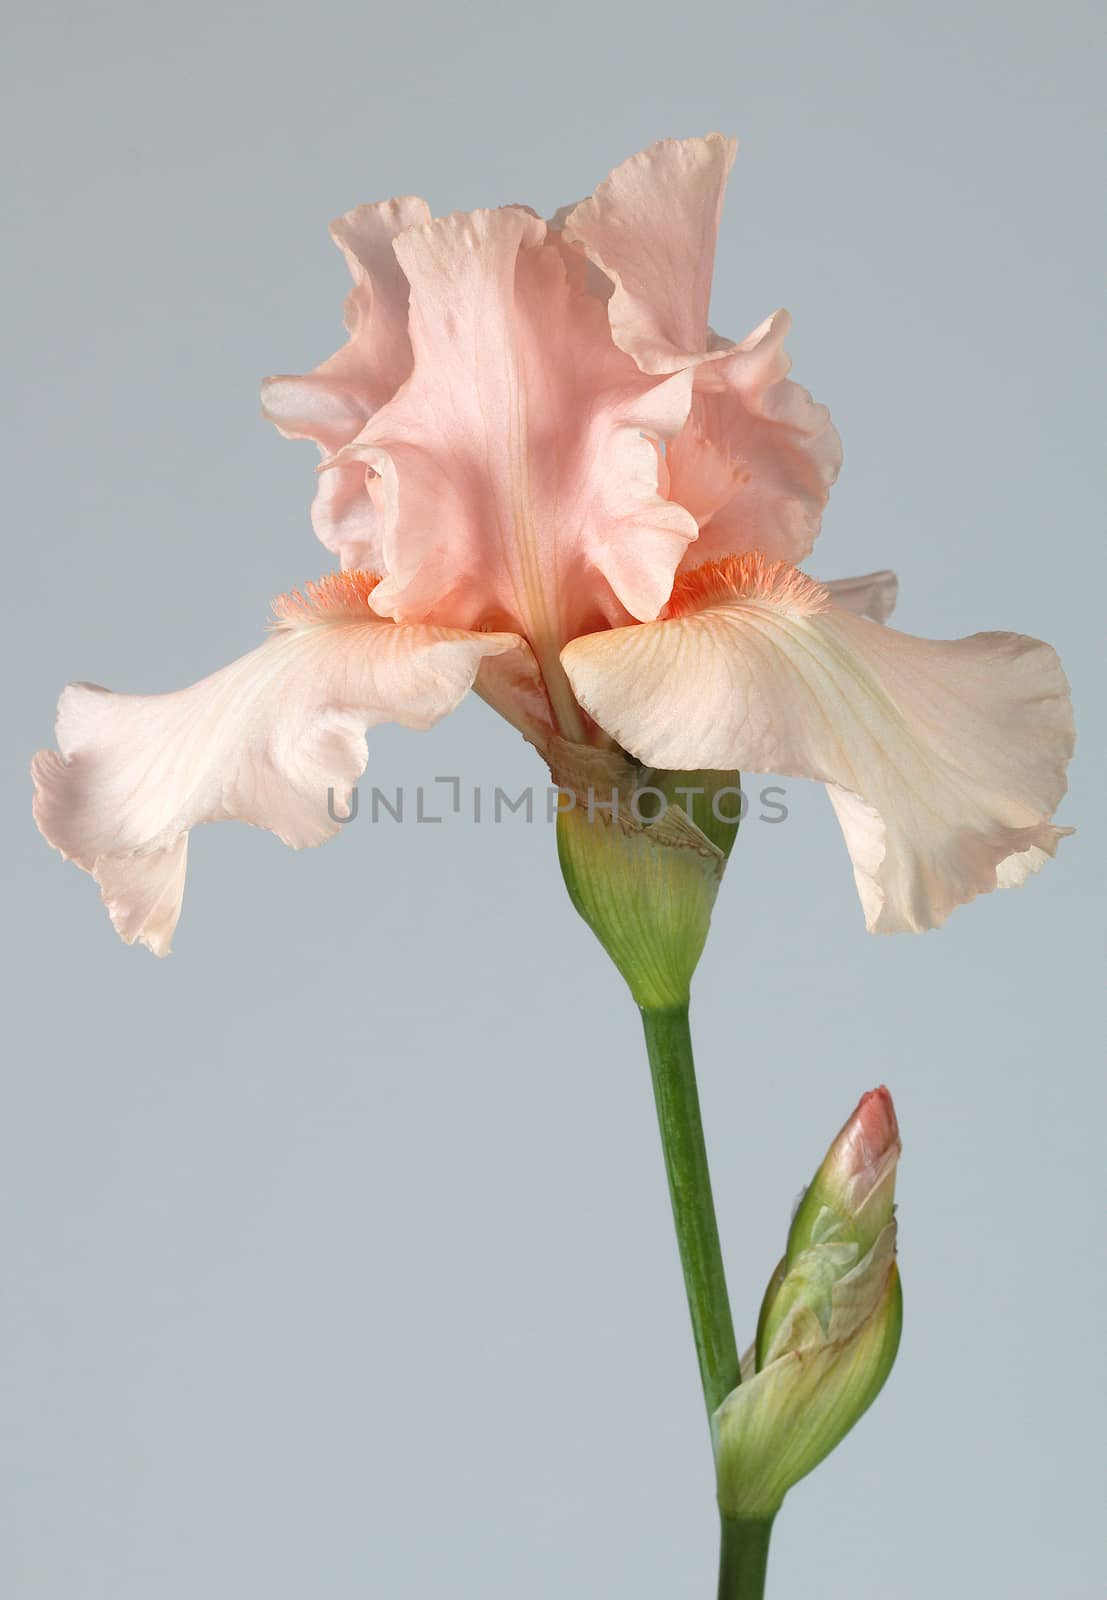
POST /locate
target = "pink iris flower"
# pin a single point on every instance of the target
(546, 478)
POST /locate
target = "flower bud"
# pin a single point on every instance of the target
(640, 871)
(829, 1326)
(839, 1218)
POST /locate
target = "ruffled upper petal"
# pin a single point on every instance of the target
(945, 760)
(332, 404)
(345, 518)
(276, 739)
(651, 228)
(516, 472)
(757, 458)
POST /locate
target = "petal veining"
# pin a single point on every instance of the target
(516, 472)
(276, 739)
(945, 760)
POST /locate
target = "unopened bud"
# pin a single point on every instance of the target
(830, 1322)
(840, 1218)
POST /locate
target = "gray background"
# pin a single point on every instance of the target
(336, 1257)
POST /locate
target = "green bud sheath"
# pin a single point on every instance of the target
(640, 871)
(712, 800)
(781, 1422)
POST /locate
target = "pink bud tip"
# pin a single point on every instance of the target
(868, 1146)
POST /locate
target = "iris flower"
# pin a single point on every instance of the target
(546, 478)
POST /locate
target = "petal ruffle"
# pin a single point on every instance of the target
(945, 760)
(332, 404)
(345, 518)
(651, 228)
(516, 472)
(276, 739)
(757, 458)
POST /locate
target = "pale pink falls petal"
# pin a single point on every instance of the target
(276, 739)
(757, 458)
(517, 469)
(651, 228)
(332, 404)
(945, 760)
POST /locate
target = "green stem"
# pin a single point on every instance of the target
(743, 1559)
(745, 1544)
(669, 1044)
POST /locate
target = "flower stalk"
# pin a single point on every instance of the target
(744, 1557)
(744, 1544)
(645, 884)
(669, 1045)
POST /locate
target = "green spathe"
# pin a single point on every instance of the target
(782, 1421)
(638, 869)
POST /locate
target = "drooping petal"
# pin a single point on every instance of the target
(945, 760)
(757, 457)
(517, 469)
(651, 228)
(332, 404)
(1013, 872)
(276, 739)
